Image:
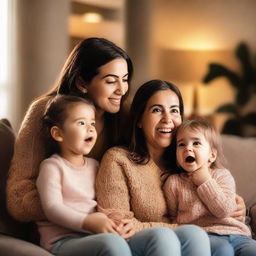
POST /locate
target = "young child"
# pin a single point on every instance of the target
(203, 193)
(66, 184)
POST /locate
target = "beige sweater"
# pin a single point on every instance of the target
(22, 196)
(208, 205)
(128, 190)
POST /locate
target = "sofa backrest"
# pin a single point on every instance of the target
(240, 154)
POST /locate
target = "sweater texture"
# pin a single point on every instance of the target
(128, 190)
(208, 205)
(67, 194)
(31, 148)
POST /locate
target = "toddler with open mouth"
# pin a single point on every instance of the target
(200, 191)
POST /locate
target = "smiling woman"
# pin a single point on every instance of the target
(128, 183)
(96, 69)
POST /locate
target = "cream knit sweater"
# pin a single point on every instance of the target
(128, 190)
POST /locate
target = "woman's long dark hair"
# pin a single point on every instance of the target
(135, 140)
(84, 63)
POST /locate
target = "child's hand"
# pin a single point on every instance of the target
(125, 228)
(99, 223)
(200, 175)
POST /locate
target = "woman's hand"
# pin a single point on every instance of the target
(125, 228)
(240, 212)
(99, 223)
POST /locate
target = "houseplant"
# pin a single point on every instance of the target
(244, 84)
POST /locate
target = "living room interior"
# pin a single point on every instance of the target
(171, 40)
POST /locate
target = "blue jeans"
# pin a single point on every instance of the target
(230, 245)
(160, 241)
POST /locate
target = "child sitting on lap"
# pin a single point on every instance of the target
(200, 191)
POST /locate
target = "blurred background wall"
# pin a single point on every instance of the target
(172, 40)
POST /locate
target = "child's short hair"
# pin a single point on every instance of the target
(56, 113)
(210, 134)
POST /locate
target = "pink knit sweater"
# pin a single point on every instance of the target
(67, 195)
(208, 205)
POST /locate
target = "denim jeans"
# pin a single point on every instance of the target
(230, 245)
(160, 241)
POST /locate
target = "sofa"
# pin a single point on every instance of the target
(16, 239)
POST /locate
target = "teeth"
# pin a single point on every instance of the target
(115, 100)
(166, 130)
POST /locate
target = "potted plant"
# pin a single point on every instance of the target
(245, 89)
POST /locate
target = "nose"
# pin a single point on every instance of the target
(121, 88)
(188, 147)
(90, 128)
(167, 118)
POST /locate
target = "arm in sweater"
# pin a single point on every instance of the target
(22, 197)
(218, 193)
(49, 184)
(170, 190)
(113, 191)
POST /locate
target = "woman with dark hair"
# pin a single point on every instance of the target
(128, 183)
(96, 69)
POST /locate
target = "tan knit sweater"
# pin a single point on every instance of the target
(208, 205)
(128, 190)
(30, 149)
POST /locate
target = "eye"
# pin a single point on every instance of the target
(196, 143)
(110, 81)
(175, 110)
(93, 124)
(125, 80)
(156, 110)
(81, 123)
(181, 144)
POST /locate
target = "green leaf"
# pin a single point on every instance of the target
(232, 126)
(250, 118)
(217, 70)
(243, 96)
(228, 108)
(244, 55)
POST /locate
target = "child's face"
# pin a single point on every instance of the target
(193, 150)
(78, 134)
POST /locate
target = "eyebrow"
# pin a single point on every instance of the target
(159, 105)
(193, 138)
(113, 75)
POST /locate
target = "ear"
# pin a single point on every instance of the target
(56, 133)
(81, 85)
(213, 156)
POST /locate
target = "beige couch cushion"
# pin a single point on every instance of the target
(240, 154)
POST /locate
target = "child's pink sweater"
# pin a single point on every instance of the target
(67, 195)
(208, 205)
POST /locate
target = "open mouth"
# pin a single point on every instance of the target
(190, 159)
(89, 139)
(164, 130)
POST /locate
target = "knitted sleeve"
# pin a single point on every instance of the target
(218, 193)
(171, 195)
(22, 197)
(113, 191)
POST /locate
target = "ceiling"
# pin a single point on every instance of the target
(116, 4)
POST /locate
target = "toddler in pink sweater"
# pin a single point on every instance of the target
(66, 185)
(201, 191)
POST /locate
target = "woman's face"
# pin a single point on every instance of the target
(160, 119)
(109, 86)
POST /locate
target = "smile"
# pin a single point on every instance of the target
(115, 101)
(164, 130)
